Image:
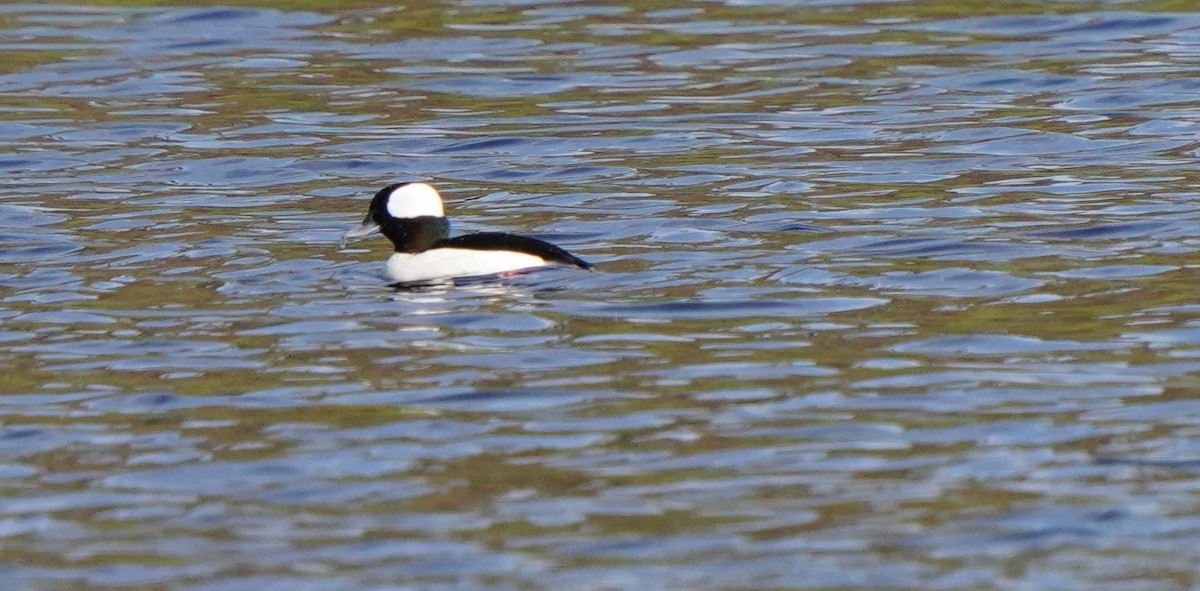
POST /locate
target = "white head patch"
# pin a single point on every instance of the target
(414, 200)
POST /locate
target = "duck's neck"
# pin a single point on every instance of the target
(416, 234)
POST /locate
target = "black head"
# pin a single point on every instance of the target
(408, 214)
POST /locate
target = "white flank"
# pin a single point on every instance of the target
(414, 200)
(442, 263)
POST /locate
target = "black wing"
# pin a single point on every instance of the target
(525, 244)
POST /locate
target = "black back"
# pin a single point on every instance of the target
(513, 242)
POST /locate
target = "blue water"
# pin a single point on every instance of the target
(882, 300)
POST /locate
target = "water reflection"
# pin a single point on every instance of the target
(886, 297)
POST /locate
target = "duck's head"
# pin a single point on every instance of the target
(408, 214)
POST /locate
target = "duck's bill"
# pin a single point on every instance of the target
(367, 228)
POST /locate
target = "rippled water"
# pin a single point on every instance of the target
(889, 295)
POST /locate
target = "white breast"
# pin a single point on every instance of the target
(441, 263)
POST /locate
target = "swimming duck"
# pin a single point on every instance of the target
(411, 216)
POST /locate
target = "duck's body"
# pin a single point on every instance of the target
(411, 216)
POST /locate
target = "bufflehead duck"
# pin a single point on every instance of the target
(411, 216)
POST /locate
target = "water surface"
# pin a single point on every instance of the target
(889, 295)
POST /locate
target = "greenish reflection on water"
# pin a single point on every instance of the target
(878, 285)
